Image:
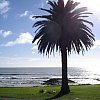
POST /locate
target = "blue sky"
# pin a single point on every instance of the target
(16, 34)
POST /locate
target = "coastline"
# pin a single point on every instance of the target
(46, 82)
(29, 77)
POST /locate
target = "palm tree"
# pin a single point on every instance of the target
(64, 29)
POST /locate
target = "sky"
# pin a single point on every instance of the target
(16, 35)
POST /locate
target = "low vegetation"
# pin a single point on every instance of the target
(80, 92)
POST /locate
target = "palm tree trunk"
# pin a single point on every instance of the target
(64, 88)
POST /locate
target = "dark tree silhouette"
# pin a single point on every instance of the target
(64, 29)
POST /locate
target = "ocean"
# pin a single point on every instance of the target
(27, 77)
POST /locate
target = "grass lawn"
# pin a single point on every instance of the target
(83, 92)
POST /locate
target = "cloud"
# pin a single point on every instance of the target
(96, 44)
(34, 19)
(5, 33)
(26, 13)
(35, 47)
(33, 52)
(4, 6)
(23, 38)
(30, 17)
(29, 62)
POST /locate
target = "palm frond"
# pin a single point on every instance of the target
(53, 4)
(38, 23)
(38, 35)
(49, 11)
(49, 17)
(79, 10)
(70, 5)
(86, 21)
(60, 4)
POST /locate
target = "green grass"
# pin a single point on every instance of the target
(83, 92)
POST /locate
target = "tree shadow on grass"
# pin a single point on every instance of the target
(55, 97)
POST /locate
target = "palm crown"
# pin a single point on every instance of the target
(63, 26)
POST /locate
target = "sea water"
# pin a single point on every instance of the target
(23, 77)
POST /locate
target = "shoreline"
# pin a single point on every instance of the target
(50, 82)
(28, 77)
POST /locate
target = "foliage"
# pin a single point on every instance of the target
(64, 25)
